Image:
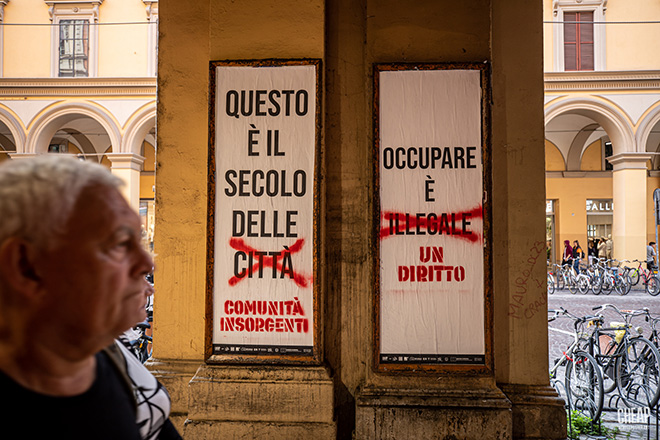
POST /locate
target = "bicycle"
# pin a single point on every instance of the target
(649, 278)
(612, 279)
(630, 363)
(583, 381)
(136, 339)
(551, 283)
(575, 281)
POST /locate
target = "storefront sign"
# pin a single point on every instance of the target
(599, 206)
(430, 166)
(264, 148)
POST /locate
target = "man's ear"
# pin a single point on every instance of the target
(17, 266)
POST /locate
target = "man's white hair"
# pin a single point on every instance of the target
(37, 195)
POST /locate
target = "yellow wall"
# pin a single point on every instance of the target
(30, 58)
(147, 186)
(571, 207)
(73, 149)
(548, 43)
(123, 48)
(149, 153)
(554, 160)
(633, 46)
(592, 157)
(628, 46)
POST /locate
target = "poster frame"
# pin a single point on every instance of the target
(317, 356)
(485, 368)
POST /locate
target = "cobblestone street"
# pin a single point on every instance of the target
(581, 305)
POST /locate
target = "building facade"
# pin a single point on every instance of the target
(79, 77)
(602, 108)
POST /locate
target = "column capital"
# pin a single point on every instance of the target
(19, 156)
(126, 161)
(628, 161)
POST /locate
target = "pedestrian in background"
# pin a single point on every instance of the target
(578, 255)
(567, 256)
(602, 248)
(650, 256)
(608, 246)
(592, 251)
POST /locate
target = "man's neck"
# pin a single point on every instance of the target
(41, 369)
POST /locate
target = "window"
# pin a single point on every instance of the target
(578, 41)
(607, 152)
(74, 37)
(74, 48)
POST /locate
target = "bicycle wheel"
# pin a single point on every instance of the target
(620, 285)
(572, 286)
(607, 285)
(583, 285)
(634, 277)
(653, 286)
(596, 284)
(584, 385)
(637, 368)
(606, 360)
(551, 284)
(560, 281)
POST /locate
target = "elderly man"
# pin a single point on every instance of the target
(72, 279)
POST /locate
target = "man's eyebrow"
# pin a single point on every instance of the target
(123, 230)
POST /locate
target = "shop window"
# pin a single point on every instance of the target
(599, 218)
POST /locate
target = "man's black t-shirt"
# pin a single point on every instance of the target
(105, 411)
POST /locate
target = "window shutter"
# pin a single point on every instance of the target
(578, 41)
(586, 49)
(570, 41)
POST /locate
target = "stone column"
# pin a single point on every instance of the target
(127, 166)
(519, 249)
(630, 201)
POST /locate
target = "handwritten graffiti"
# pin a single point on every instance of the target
(522, 306)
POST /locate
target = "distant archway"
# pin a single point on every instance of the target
(62, 116)
(613, 121)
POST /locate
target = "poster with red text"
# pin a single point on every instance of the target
(265, 148)
(431, 306)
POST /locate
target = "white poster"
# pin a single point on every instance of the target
(265, 143)
(431, 229)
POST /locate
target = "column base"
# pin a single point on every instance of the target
(260, 402)
(538, 412)
(385, 414)
(175, 375)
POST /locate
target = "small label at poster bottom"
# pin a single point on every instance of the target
(448, 359)
(263, 350)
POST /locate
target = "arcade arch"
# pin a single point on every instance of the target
(578, 125)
